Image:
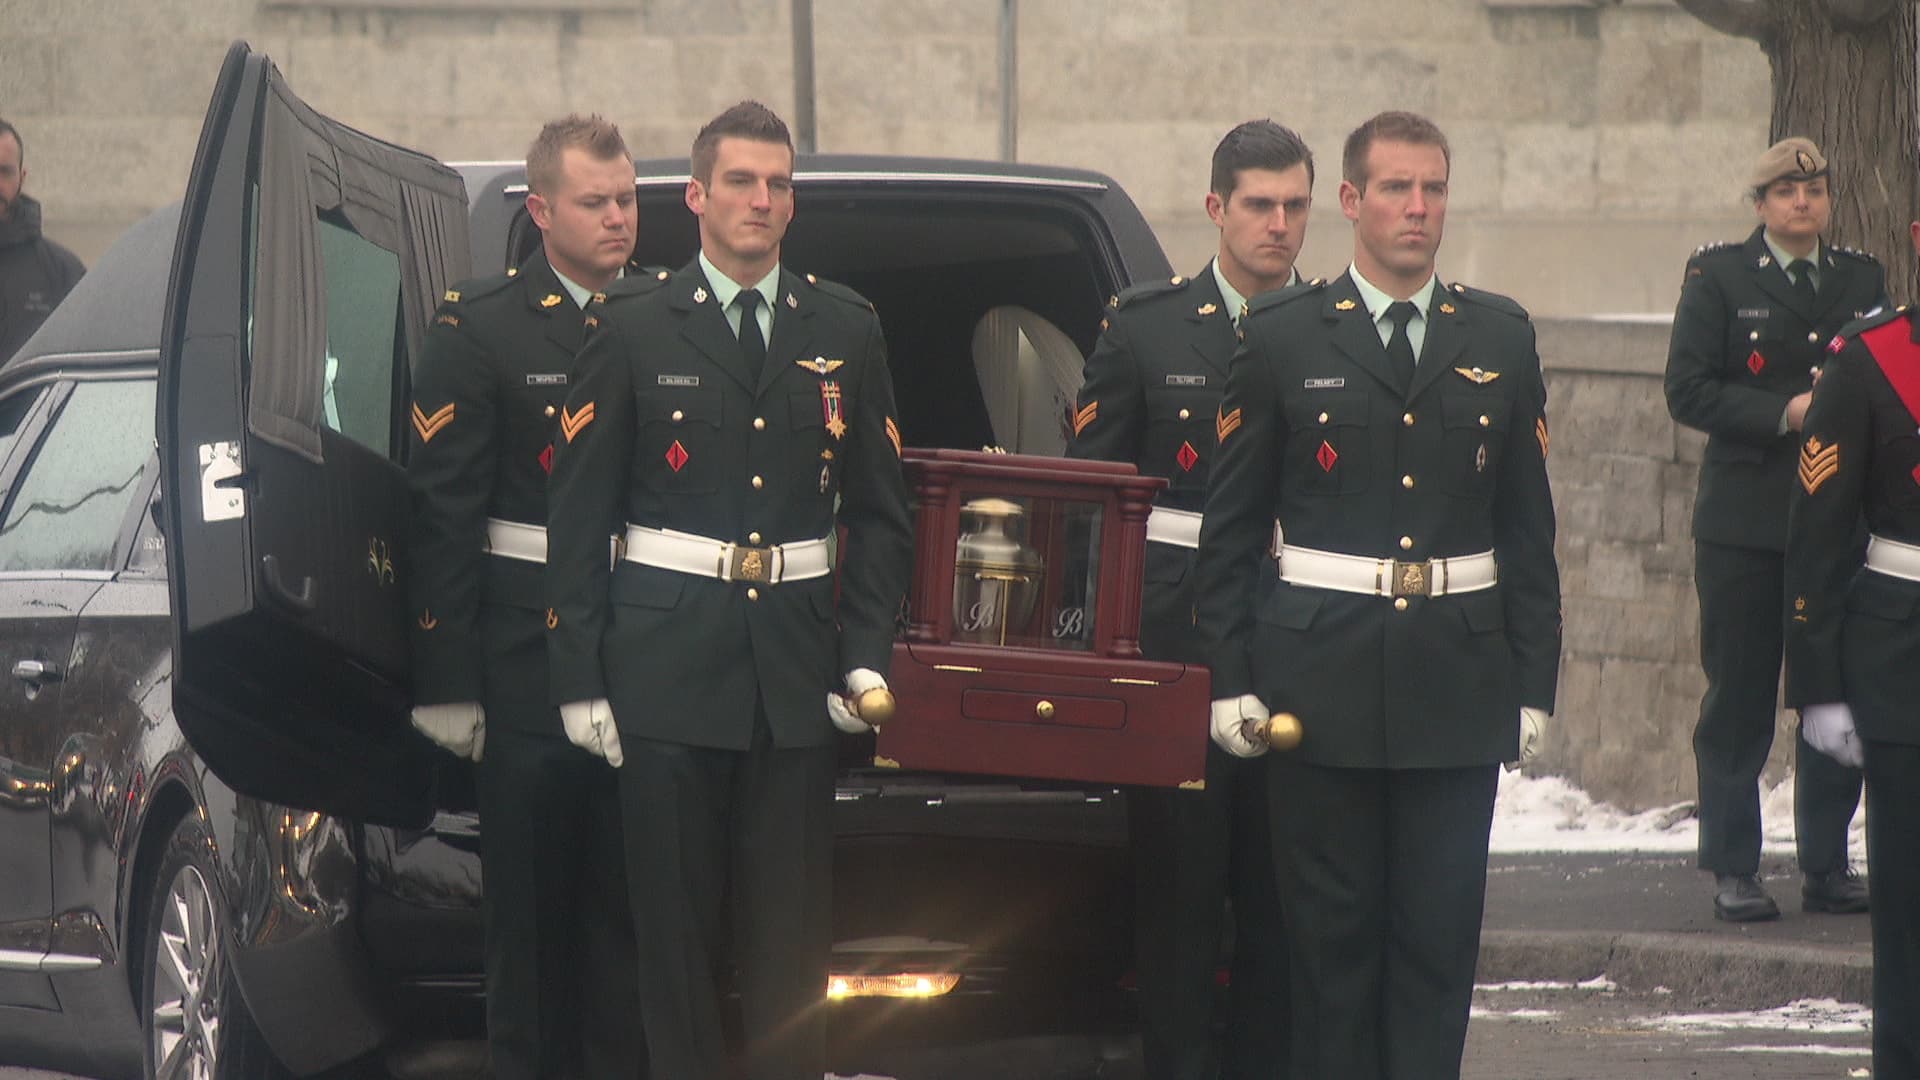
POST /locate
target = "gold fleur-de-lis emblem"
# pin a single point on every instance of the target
(699, 296)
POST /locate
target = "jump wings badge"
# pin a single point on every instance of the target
(830, 408)
(1477, 375)
(820, 365)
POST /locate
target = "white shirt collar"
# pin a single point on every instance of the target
(1230, 296)
(725, 289)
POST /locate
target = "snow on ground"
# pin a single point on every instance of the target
(1546, 813)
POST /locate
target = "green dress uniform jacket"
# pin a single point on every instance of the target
(487, 393)
(1744, 342)
(1853, 634)
(1153, 387)
(1316, 432)
(667, 429)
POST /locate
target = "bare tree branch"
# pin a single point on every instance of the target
(1861, 14)
(1741, 18)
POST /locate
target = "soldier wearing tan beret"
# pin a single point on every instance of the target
(1753, 322)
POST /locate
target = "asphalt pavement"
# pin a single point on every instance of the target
(1646, 922)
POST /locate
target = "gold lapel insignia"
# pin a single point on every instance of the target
(1086, 416)
(1818, 463)
(893, 435)
(792, 304)
(1113, 300)
(820, 365)
(550, 300)
(1225, 424)
(1766, 261)
(429, 426)
(1446, 309)
(1477, 375)
(1345, 305)
(599, 298)
(699, 295)
(572, 423)
(1207, 309)
(452, 297)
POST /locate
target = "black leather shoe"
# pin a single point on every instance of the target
(1741, 899)
(1837, 892)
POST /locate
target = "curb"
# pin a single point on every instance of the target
(1739, 974)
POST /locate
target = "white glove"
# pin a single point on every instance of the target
(460, 726)
(1231, 720)
(1533, 732)
(859, 681)
(589, 726)
(1829, 729)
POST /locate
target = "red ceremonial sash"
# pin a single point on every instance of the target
(1892, 347)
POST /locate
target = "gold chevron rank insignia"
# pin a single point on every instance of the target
(1818, 463)
(572, 423)
(1477, 375)
(820, 365)
(893, 436)
(1540, 433)
(1086, 416)
(429, 426)
(1225, 424)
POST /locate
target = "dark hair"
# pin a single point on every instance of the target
(1257, 144)
(747, 120)
(594, 134)
(1404, 127)
(9, 129)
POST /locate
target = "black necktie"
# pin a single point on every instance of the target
(1802, 272)
(751, 343)
(1400, 346)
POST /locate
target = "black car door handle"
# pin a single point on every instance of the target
(36, 671)
(300, 600)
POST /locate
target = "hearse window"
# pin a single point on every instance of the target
(364, 340)
(13, 412)
(66, 510)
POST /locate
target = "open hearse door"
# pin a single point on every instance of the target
(309, 261)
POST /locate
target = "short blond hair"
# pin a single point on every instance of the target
(594, 134)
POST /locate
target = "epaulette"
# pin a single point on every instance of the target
(1267, 301)
(1502, 304)
(1709, 249)
(475, 288)
(633, 284)
(1855, 253)
(1145, 289)
(839, 292)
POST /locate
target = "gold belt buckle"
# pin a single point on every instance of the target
(1409, 579)
(752, 564)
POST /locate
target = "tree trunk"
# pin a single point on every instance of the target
(1854, 93)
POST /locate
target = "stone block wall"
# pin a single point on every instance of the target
(1595, 142)
(1623, 480)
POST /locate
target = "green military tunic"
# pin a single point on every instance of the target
(487, 393)
(1151, 395)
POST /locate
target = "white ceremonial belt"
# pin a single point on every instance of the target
(1893, 558)
(690, 553)
(517, 540)
(1387, 577)
(1181, 528)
